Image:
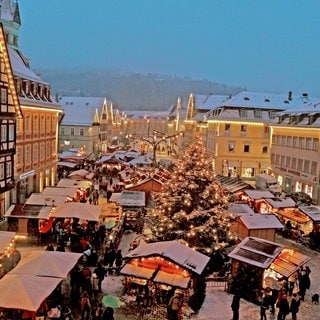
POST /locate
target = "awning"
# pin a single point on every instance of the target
(250, 164)
(137, 271)
(174, 280)
(288, 261)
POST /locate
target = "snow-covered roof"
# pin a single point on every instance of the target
(261, 221)
(257, 252)
(20, 69)
(47, 200)
(154, 115)
(271, 101)
(239, 208)
(258, 194)
(68, 191)
(286, 202)
(80, 110)
(132, 199)
(311, 107)
(313, 212)
(175, 251)
(209, 102)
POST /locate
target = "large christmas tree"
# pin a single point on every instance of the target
(190, 206)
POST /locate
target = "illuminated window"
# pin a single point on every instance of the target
(231, 146)
(246, 148)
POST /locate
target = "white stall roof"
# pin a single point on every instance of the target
(46, 200)
(313, 212)
(60, 191)
(82, 184)
(132, 199)
(261, 221)
(258, 194)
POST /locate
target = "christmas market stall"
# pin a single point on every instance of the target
(268, 205)
(254, 197)
(257, 225)
(158, 268)
(259, 263)
(9, 256)
(84, 186)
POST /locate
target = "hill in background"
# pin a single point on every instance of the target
(130, 91)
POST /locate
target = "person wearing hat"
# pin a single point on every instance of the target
(175, 305)
(283, 307)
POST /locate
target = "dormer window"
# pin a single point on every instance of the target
(266, 100)
(246, 98)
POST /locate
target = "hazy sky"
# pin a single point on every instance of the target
(266, 45)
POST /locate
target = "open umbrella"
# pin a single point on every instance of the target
(110, 224)
(25, 292)
(111, 301)
(47, 264)
(79, 210)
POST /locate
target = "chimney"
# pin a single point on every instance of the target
(290, 96)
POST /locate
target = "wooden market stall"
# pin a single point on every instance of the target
(163, 266)
(254, 260)
(263, 226)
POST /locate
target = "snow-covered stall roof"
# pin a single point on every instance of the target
(257, 252)
(28, 211)
(47, 200)
(261, 221)
(266, 254)
(82, 184)
(313, 212)
(174, 251)
(258, 194)
(281, 203)
(239, 209)
(60, 191)
(67, 164)
(132, 199)
(232, 184)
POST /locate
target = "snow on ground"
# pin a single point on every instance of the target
(217, 302)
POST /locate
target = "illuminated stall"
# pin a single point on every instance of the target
(165, 265)
(9, 257)
(259, 263)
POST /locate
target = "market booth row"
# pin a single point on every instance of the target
(259, 263)
(157, 269)
(35, 279)
(9, 256)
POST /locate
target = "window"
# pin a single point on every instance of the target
(258, 113)
(308, 143)
(266, 130)
(315, 144)
(278, 140)
(243, 113)
(273, 158)
(62, 131)
(288, 162)
(301, 143)
(35, 124)
(265, 149)
(294, 163)
(289, 141)
(246, 148)
(283, 161)
(82, 132)
(314, 167)
(72, 131)
(272, 114)
(243, 128)
(3, 133)
(278, 159)
(300, 163)
(27, 154)
(283, 140)
(28, 123)
(306, 166)
(4, 95)
(295, 142)
(35, 153)
(231, 146)
(227, 127)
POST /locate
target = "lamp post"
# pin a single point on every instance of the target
(154, 142)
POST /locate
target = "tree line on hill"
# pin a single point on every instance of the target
(129, 90)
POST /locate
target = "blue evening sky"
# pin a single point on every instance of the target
(265, 45)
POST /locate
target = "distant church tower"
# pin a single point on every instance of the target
(10, 18)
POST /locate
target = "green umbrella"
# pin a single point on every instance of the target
(110, 224)
(111, 301)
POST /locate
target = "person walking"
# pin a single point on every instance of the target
(235, 306)
(174, 306)
(304, 284)
(85, 305)
(283, 308)
(294, 306)
(264, 304)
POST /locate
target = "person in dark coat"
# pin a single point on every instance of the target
(264, 304)
(283, 307)
(108, 314)
(100, 271)
(294, 306)
(235, 306)
(304, 284)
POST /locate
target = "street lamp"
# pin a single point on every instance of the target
(154, 142)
